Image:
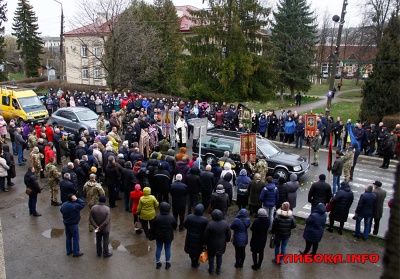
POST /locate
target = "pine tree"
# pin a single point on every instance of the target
(28, 38)
(294, 36)
(3, 17)
(229, 52)
(381, 94)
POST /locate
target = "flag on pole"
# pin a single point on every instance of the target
(330, 152)
(350, 136)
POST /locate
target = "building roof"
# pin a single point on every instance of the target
(184, 17)
(352, 53)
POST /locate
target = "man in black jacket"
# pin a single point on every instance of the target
(207, 185)
(113, 171)
(194, 184)
(320, 192)
(162, 180)
(31, 182)
(128, 179)
(364, 210)
(67, 187)
(179, 194)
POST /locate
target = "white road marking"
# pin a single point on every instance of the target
(2, 262)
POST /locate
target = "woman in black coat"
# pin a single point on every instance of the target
(216, 235)
(314, 230)
(31, 182)
(342, 202)
(195, 224)
(10, 162)
(162, 228)
(259, 236)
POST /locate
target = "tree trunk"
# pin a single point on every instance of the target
(391, 258)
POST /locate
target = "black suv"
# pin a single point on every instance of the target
(279, 162)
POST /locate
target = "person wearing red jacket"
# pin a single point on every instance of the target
(135, 196)
(50, 133)
(49, 152)
(38, 130)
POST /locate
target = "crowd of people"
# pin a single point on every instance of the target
(136, 162)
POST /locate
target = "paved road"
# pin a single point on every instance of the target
(34, 247)
(366, 172)
(322, 102)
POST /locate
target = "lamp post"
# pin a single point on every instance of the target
(61, 40)
(335, 18)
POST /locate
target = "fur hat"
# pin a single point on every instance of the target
(285, 206)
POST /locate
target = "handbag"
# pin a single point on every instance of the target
(329, 206)
(29, 191)
(203, 256)
(272, 242)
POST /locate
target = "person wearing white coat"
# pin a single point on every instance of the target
(3, 172)
(228, 168)
(181, 128)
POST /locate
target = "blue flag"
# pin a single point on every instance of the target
(351, 138)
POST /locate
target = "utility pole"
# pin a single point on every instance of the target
(335, 18)
(61, 41)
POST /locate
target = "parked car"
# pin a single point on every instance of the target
(279, 162)
(337, 76)
(349, 76)
(76, 118)
(325, 74)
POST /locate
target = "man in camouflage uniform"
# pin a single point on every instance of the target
(348, 158)
(315, 145)
(36, 158)
(32, 140)
(92, 190)
(53, 178)
(101, 124)
(260, 167)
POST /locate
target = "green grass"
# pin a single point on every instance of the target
(277, 103)
(344, 109)
(351, 95)
(17, 76)
(322, 89)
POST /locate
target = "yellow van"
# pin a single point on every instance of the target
(21, 104)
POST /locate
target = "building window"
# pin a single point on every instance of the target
(97, 73)
(84, 51)
(97, 51)
(85, 73)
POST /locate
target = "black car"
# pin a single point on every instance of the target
(279, 162)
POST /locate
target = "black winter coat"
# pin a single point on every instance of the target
(195, 225)
(207, 181)
(365, 206)
(220, 201)
(164, 224)
(259, 236)
(74, 177)
(320, 192)
(283, 224)
(227, 188)
(217, 234)
(66, 188)
(162, 179)
(128, 180)
(178, 194)
(342, 202)
(112, 174)
(10, 161)
(30, 181)
(315, 225)
(283, 194)
(193, 181)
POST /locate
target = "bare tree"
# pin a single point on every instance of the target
(323, 40)
(378, 13)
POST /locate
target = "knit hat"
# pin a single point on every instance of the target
(93, 169)
(121, 155)
(178, 177)
(138, 187)
(154, 155)
(285, 206)
(243, 172)
(262, 213)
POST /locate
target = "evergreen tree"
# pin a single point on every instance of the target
(28, 40)
(294, 36)
(3, 17)
(381, 94)
(229, 52)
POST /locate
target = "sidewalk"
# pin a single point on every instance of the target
(321, 103)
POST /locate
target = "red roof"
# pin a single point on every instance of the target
(95, 29)
(351, 52)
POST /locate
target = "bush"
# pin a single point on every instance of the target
(391, 121)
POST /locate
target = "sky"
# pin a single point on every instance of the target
(49, 12)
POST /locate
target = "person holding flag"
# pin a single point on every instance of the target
(315, 145)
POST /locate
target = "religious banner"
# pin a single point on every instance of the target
(311, 125)
(167, 124)
(248, 147)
